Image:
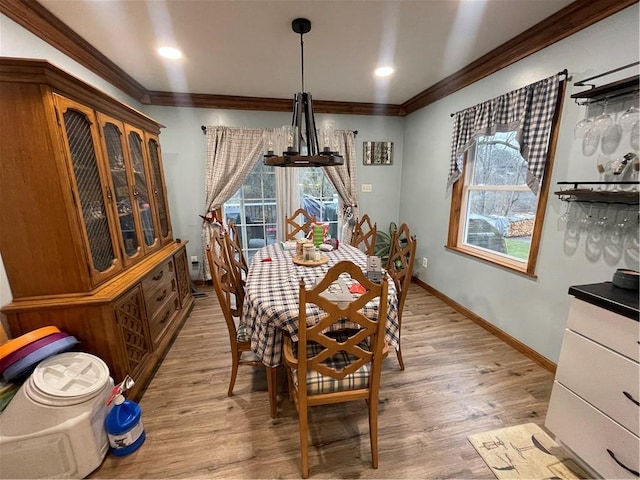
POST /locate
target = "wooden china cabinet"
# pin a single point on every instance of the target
(85, 230)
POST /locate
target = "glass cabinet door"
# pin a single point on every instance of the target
(80, 135)
(159, 193)
(122, 197)
(142, 189)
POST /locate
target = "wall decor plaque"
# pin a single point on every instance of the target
(377, 153)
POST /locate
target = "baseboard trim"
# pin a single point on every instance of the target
(505, 337)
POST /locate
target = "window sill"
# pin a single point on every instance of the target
(491, 260)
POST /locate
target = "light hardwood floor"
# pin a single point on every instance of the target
(459, 380)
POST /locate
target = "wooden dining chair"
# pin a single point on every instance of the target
(402, 256)
(292, 227)
(230, 299)
(325, 368)
(364, 235)
(235, 251)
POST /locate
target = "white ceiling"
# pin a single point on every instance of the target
(247, 47)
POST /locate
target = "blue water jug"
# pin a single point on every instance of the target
(124, 427)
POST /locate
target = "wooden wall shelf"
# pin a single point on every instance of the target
(597, 194)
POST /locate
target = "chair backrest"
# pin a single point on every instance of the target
(365, 329)
(402, 256)
(223, 280)
(292, 227)
(235, 252)
(364, 235)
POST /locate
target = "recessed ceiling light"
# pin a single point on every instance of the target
(170, 52)
(383, 71)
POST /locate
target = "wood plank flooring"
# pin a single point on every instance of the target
(459, 380)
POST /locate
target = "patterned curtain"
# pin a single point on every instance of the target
(231, 154)
(343, 178)
(528, 111)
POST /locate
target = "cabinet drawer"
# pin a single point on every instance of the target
(601, 377)
(589, 433)
(156, 298)
(163, 317)
(158, 276)
(607, 328)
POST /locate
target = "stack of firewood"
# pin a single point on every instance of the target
(521, 228)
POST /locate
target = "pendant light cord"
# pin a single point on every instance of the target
(302, 58)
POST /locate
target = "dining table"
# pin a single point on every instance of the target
(271, 302)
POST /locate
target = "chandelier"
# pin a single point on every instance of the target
(301, 138)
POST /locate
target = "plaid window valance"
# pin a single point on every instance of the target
(528, 111)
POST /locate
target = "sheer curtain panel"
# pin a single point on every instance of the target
(231, 154)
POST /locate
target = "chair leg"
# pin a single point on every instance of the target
(235, 361)
(304, 447)
(373, 432)
(399, 355)
(272, 390)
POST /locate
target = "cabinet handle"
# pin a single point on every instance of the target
(158, 276)
(632, 472)
(630, 397)
(166, 317)
(108, 193)
(161, 297)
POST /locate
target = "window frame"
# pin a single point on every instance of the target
(458, 206)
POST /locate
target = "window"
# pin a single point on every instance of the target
(498, 197)
(253, 209)
(494, 212)
(319, 197)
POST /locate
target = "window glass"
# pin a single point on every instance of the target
(253, 209)
(498, 211)
(319, 197)
(253, 206)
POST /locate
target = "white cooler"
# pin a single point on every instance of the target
(54, 425)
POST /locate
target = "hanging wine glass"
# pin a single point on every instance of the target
(611, 138)
(634, 137)
(629, 118)
(590, 141)
(583, 126)
(601, 166)
(585, 223)
(563, 220)
(602, 223)
(604, 120)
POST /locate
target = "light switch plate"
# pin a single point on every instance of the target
(367, 187)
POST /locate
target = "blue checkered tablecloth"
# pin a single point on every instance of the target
(271, 298)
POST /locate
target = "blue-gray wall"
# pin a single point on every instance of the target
(532, 310)
(413, 189)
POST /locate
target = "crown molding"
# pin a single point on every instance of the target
(42, 23)
(571, 19)
(173, 99)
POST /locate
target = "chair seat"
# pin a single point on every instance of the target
(318, 383)
(242, 334)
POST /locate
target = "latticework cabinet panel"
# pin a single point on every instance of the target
(132, 323)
